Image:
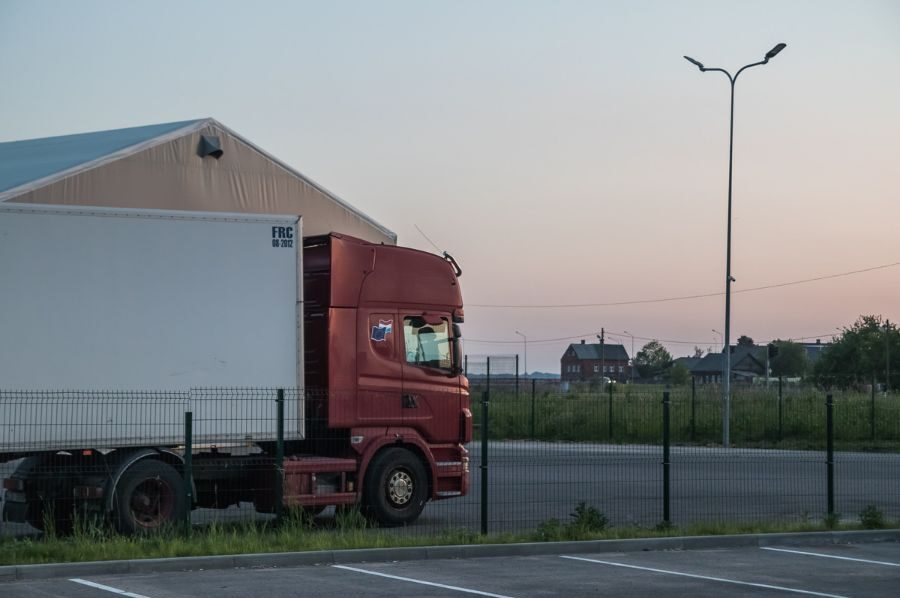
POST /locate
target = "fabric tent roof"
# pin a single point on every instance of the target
(158, 167)
(35, 160)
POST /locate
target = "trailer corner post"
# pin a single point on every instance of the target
(188, 468)
(279, 457)
(829, 431)
(667, 520)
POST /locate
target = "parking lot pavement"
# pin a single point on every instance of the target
(834, 571)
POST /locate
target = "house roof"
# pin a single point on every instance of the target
(592, 351)
(713, 362)
(34, 164)
(688, 362)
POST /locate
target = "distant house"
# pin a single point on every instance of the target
(746, 364)
(814, 350)
(584, 362)
(687, 362)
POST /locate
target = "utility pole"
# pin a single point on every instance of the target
(525, 339)
(887, 358)
(632, 355)
(602, 354)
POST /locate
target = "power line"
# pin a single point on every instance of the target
(628, 336)
(579, 336)
(684, 297)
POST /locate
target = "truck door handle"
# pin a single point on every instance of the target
(410, 401)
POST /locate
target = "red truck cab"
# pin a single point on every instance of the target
(383, 376)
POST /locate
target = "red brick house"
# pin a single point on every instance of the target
(584, 362)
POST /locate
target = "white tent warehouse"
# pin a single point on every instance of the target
(199, 165)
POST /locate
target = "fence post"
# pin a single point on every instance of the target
(872, 409)
(693, 408)
(188, 468)
(533, 383)
(485, 399)
(780, 408)
(279, 457)
(609, 416)
(829, 431)
(666, 497)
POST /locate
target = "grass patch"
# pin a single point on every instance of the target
(299, 533)
(632, 414)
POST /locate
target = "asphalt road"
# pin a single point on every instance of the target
(835, 571)
(531, 482)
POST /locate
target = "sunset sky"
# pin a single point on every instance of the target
(564, 152)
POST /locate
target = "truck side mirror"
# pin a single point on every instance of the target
(456, 355)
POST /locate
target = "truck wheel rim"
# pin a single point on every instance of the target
(400, 487)
(152, 503)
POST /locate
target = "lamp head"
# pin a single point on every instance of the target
(774, 51)
(695, 62)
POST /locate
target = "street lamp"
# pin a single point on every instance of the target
(632, 355)
(526, 351)
(726, 370)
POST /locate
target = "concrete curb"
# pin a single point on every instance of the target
(332, 557)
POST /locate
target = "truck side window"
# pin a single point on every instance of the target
(427, 344)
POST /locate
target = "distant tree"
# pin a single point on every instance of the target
(698, 353)
(744, 341)
(860, 353)
(678, 374)
(790, 361)
(652, 360)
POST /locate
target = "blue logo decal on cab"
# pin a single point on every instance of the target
(380, 332)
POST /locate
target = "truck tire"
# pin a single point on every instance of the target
(149, 496)
(396, 488)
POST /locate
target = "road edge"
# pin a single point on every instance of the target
(465, 551)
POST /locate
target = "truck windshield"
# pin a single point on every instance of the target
(427, 344)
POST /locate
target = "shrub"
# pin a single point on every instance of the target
(871, 517)
(587, 519)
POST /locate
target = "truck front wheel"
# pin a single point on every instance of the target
(396, 488)
(149, 496)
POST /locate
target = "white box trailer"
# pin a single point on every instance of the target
(131, 310)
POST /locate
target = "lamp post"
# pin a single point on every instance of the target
(726, 369)
(632, 355)
(526, 351)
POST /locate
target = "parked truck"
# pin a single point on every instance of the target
(163, 311)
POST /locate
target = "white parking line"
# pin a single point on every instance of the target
(832, 556)
(719, 579)
(100, 586)
(419, 581)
